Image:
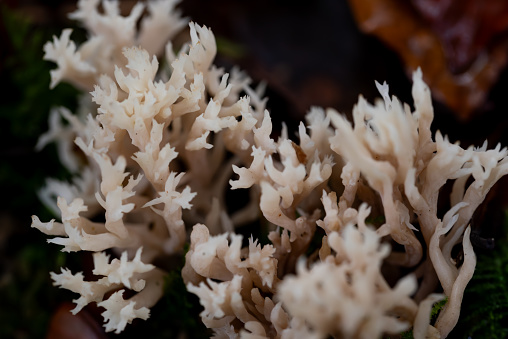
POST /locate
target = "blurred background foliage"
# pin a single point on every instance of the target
(309, 53)
(26, 294)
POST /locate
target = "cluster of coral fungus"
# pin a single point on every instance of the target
(164, 135)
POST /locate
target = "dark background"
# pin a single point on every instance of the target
(310, 53)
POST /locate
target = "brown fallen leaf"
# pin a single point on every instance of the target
(65, 325)
(413, 36)
(466, 28)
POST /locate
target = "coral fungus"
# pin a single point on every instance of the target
(159, 147)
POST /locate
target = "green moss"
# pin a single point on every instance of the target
(407, 335)
(229, 48)
(484, 312)
(436, 309)
(376, 220)
(27, 296)
(24, 109)
(26, 292)
(175, 314)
